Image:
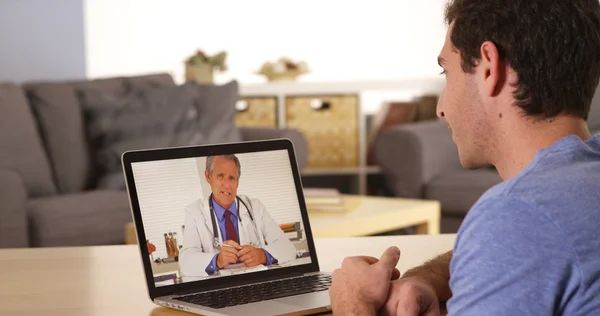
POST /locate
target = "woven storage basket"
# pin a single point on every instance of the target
(331, 130)
(257, 112)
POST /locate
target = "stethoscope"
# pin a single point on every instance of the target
(216, 244)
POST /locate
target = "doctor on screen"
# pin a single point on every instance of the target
(227, 228)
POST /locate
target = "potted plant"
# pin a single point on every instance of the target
(200, 67)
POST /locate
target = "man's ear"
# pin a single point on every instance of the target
(207, 176)
(490, 70)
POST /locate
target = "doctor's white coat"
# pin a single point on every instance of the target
(198, 238)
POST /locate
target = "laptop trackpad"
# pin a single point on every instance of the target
(295, 305)
(310, 300)
(261, 308)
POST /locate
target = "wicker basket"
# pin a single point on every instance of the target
(257, 112)
(330, 125)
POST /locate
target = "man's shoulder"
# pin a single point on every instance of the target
(251, 201)
(499, 208)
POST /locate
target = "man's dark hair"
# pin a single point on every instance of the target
(552, 45)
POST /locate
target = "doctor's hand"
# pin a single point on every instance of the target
(228, 255)
(361, 285)
(252, 256)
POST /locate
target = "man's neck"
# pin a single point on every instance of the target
(223, 205)
(522, 139)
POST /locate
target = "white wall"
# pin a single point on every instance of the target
(41, 39)
(165, 188)
(341, 40)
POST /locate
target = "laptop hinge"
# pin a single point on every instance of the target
(313, 273)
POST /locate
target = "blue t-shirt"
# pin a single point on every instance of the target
(531, 244)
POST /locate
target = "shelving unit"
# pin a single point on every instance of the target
(282, 90)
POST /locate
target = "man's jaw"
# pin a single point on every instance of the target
(224, 199)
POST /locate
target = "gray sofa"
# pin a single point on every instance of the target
(48, 192)
(420, 160)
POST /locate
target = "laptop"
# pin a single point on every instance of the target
(191, 204)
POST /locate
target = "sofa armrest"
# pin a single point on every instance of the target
(410, 155)
(13, 211)
(263, 133)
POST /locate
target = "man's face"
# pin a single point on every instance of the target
(223, 181)
(461, 107)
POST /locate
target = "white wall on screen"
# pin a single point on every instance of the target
(201, 163)
(164, 189)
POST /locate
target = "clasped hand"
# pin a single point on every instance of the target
(370, 286)
(248, 255)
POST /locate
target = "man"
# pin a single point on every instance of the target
(246, 233)
(520, 79)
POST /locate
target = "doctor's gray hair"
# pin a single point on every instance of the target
(210, 163)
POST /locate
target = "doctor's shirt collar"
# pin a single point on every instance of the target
(220, 211)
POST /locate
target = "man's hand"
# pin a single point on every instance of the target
(360, 286)
(411, 297)
(251, 256)
(228, 255)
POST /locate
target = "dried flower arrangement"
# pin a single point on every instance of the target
(283, 69)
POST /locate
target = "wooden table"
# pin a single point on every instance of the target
(373, 215)
(108, 280)
(369, 215)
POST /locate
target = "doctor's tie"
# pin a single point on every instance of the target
(230, 232)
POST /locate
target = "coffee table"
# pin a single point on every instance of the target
(369, 215)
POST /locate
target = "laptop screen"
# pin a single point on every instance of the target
(219, 216)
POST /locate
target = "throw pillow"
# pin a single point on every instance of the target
(216, 107)
(217, 112)
(163, 116)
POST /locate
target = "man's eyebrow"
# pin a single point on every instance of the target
(441, 61)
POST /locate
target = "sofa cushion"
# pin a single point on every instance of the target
(60, 120)
(148, 117)
(81, 219)
(457, 190)
(13, 220)
(21, 148)
(217, 114)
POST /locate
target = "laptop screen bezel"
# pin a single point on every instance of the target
(131, 157)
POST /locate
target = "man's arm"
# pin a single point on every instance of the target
(212, 266)
(278, 245)
(192, 258)
(435, 273)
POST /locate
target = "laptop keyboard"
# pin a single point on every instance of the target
(259, 292)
